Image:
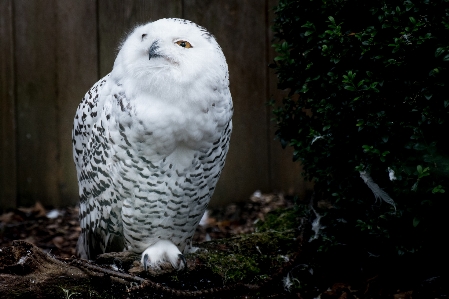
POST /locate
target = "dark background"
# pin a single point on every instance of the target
(53, 51)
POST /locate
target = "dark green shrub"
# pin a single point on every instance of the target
(368, 89)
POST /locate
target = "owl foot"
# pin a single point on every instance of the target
(163, 251)
(182, 262)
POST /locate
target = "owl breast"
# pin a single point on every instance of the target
(159, 128)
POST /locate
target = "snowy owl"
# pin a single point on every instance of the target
(150, 141)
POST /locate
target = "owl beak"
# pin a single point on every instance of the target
(153, 53)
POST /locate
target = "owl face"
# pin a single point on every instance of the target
(174, 51)
(171, 75)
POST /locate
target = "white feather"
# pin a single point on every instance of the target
(391, 174)
(378, 192)
(316, 226)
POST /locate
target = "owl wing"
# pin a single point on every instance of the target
(214, 159)
(93, 161)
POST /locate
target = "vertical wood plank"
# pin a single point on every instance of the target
(240, 29)
(36, 72)
(117, 18)
(60, 52)
(7, 109)
(285, 175)
(76, 71)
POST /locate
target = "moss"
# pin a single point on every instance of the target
(280, 220)
(67, 293)
(249, 258)
(86, 289)
(254, 258)
(232, 267)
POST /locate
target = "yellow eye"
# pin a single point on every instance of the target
(184, 44)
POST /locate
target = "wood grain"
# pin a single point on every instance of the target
(118, 18)
(8, 184)
(36, 73)
(239, 27)
(53, 51)
(76, 71)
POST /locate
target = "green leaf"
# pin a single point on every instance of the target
(412, 19)
(351, 88)
(415, 222)
(304, 89)
(308, 25)
(419, 168)
(446, 58)
(331, 19)
(284, 46)
(434, 71)
(419, 147)
(439, 51)
(438, 189)
(335, 60)
(359, 168)
(308, 32)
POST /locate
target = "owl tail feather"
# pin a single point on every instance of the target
(378, 192)
(82, 250)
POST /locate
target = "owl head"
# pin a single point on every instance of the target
(171, 54)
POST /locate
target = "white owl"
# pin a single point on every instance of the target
(150, 141)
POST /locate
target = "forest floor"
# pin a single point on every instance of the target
(56, 232)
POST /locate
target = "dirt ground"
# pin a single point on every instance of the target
(56, 231)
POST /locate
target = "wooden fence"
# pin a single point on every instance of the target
(51, 53)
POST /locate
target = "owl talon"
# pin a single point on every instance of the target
(182, 261)
(145, 262)
(160, 252)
